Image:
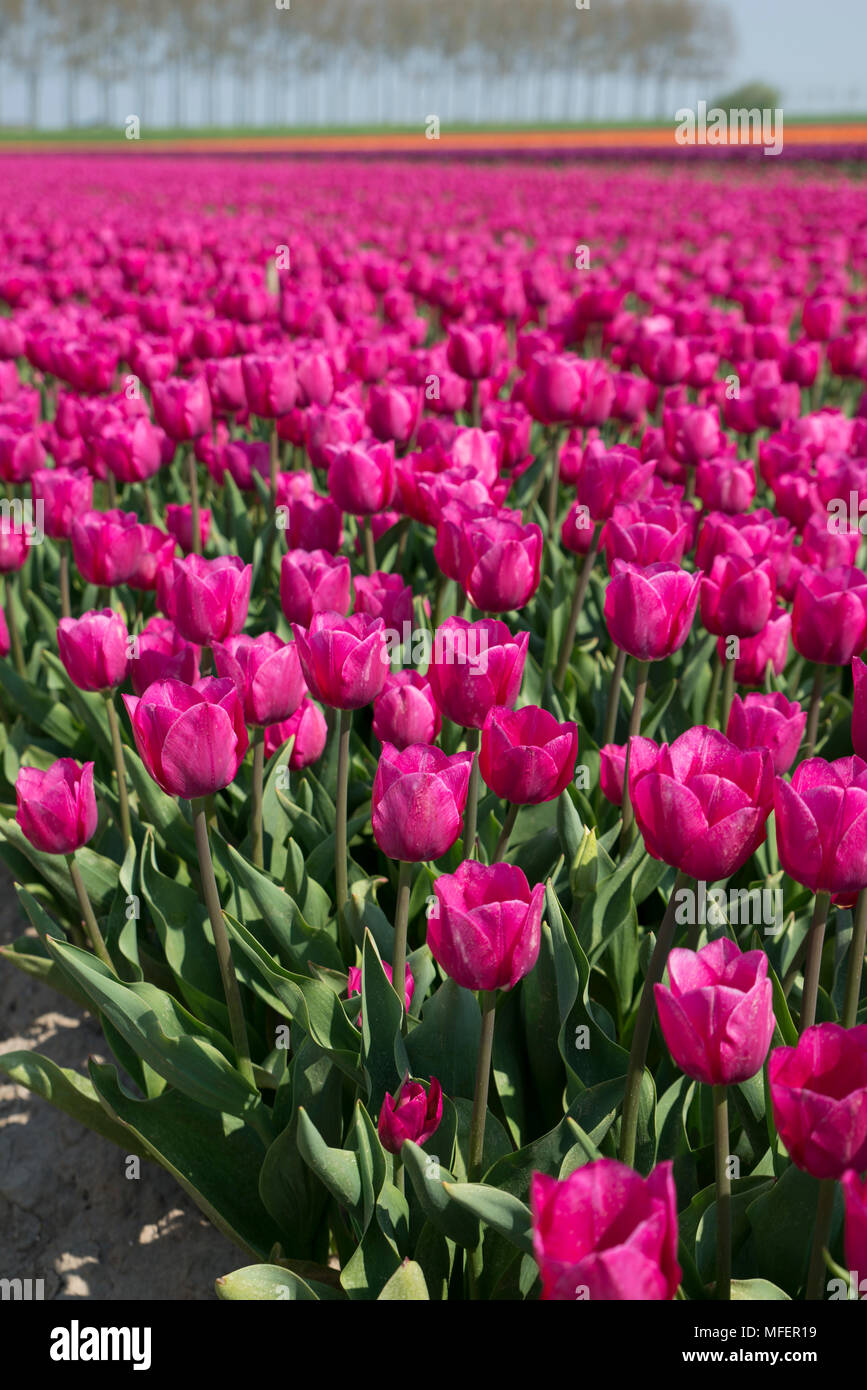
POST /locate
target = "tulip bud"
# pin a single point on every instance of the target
(57, 808)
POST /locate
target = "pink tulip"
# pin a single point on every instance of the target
(821, 821)
(829, 616)
(717, 1016)
(606, 1234)
(65, 494)
(475, 666)
(412, 1113)
(163, 654)
(307, 727)
(768, 647)
(737, 597)
(649, 611)
(612, 772)
(266, 673)
(182, 408)
(419, 795)
(94, 649)
(191, 738)
(344, 660)
(526, 757)
(768, 721)
(106, 546)
(819, 1099)
(57, 809)
(208, 599)
(270, 385)
(701, 804)
(855, 1198)
(486, 930)
(354, 985)
(313, 582)
(385, 596)
(405, 711)
(361, 479)
(503, 564)
(179, 523)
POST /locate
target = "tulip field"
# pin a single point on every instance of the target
(434, 722)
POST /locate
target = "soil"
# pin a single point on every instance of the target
(68, 1213)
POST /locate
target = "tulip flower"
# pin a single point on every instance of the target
(503, 564)
(106, 546)
(475, 666)
(385, 596)
(737, 597)
(179, 523)
(768, 721)
(526, 756)
(405, 711)
(855, 1198)
(829, 625)
(182, 408)
(308, 729)
(701, 805)
(57, 813)
(163, 654)
(191, 738)
(412, 1113)
(419, 794)
(822, 843)
(361, 479)
(649, 610)
(313, 582)
(768, 647)
(605, 1233)
(208, 599)
(94, 649)
(267, 676)
(354, 985)
(819, 1100)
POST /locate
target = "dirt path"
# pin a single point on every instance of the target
(68, 1214)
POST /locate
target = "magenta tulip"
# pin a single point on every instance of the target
(208, 599)
(191, 738)
(94, 649)
(344, 660)
(314, 582)
(475, 666)
(526, 757)
(829, 615)
(768, 721)
(701, 803)
(649, 611)
(486, 930)
(307, 727)
(606, 1234)
(267, 675)
(57, 808)
(821, 820)
(717, 1016)
(405, 711)
(819, 1099)
(163, 654)
(419, 795)
(412, 1113)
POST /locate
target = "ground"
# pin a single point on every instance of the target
(68, 1213)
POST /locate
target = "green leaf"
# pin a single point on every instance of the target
(160, 1031)
(309, 1003)
(261, 900)
(428, 1180)
(338, 1169)
(446, 1042)
(406, 1285)
(500, 1210)
(263, 1283)
(383, 1054)
(757, 1290)
(69, 1092)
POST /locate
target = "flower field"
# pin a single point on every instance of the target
(434, 727)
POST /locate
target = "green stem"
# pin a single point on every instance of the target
(644, 1023)
(472, 811)
(723, 1194)
(634, 732)
(401, 925)
(614, 698)
(12, 624)
(257, 845)
(95, 936)
(488, 1000)
(575, 611)
(821, 1233)
(193, 483)
(856, 963)
(710, 709)
(65, 603)
(508, 827)
(815, 942)
(340, 849)
(231, 989)
(728, 691)
(119, 766)
(369, 545)
(815, 710)
(553, 485)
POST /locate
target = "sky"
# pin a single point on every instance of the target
(815, 53)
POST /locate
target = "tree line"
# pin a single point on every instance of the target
(544, 51)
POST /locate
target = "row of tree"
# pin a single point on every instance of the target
(269, 43)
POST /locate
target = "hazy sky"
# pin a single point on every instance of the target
(815, 52)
